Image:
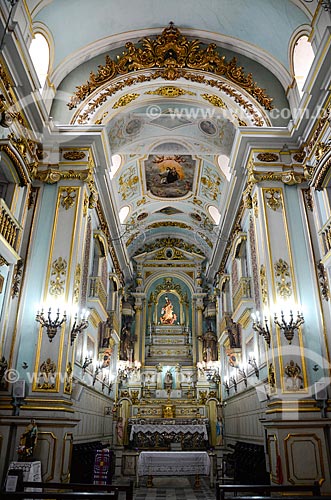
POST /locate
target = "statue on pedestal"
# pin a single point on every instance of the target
(28, 441)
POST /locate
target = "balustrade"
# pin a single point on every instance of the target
(97, 290)
(243, 292)
(10, 229)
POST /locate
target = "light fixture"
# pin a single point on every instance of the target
(210, 370)
(243, 374)
(234, 383)
(290, 327)
(50, 324)
(226, 386)
(78, 327)
(252, 362)
(86, 363)
(125, 368)
(260, 329)
(97, 370)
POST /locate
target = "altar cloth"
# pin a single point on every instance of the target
(173, 463)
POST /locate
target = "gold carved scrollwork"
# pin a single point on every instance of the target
(59, 270)
(125, 100)
(170, 53)
(264, 285)
(274, 198)
(170, 91)
(74, 155)
(68, 197)
(255, 205)
(46, 376)
(214, 100)
(282, 273)
(168, 285)
(68, 379)
(267, 157)
(321, 149)
(17, 277)
(3, 261)
(52, 176)
(77, 280)
(323, 281)
(308, 199)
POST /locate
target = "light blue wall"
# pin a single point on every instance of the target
(270, 26)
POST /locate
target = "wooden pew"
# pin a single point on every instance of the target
(47, 495)
(265, 490)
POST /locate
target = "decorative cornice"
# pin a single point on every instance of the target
(172, 52)
(52, 175)
(17, 161)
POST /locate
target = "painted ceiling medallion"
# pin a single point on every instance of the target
(172, 52)
(170, 211)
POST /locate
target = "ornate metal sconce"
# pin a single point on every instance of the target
(260, 329)
(51, 325)
(86, 363)
(78, 327)
(290, 327)
(242, 372)
(252, 362)
(97, 370)
(226, 386)
(234, 383)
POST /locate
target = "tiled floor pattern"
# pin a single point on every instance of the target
(175, 488)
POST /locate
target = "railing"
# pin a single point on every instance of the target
(9, 227)
(243, 292)
(97, 290)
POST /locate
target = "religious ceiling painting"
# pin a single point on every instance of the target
(169, 175)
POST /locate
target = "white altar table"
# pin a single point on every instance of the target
(173, 463)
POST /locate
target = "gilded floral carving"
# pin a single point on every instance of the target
(282, 273)
(59, 271)
(274, 198)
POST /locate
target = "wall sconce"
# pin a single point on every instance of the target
(50, 325)
(86, 363)
(97, 370)
(290, 327)
(243, 374)
(261, 330)
(234, 383)
(252, 362)
(226, 386)
(78, 327)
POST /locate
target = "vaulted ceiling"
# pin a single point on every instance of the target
(169, 134)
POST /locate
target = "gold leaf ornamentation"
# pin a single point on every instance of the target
(323, 281)
(282, 273)
(214, 100)
(299, 157)
(59, 270)
(125, 100)
(274, 198)
(46, 376)
(267, 157)
(255, 205)
(68, 379)
(172, 52)
(264, 285)
(74, 155)
(170, 91)
(77, 280)
(68, 197)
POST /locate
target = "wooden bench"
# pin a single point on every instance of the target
(265, 490)
(81, 487)
(47, 495)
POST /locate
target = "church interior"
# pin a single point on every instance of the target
(165, 239)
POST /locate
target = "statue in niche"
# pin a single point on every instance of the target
(294, 379)
(168, 380)
(168, 316)
(209, 342)
(127, 344)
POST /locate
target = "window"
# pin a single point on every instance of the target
(303, 57)
(39, 52)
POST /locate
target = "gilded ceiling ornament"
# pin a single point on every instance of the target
(68, 197)
(17, 278)
(128, 183)
(125, 100)
(59, 270)
(210, 184)
(164, 254)
(170, 91)
(299, 157)
(142, 201)
(77, 280)
(274, 198)
(282, 273)
(214, 100)
(74, 155)
(255, 205)
(267, 157)
(323, 281)
(172, 52)
(169, 242)
(46, 376)
(52, 176)
(182, 225)
(322, 149)
(240, 122)
(169, 286)
(264, 285)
